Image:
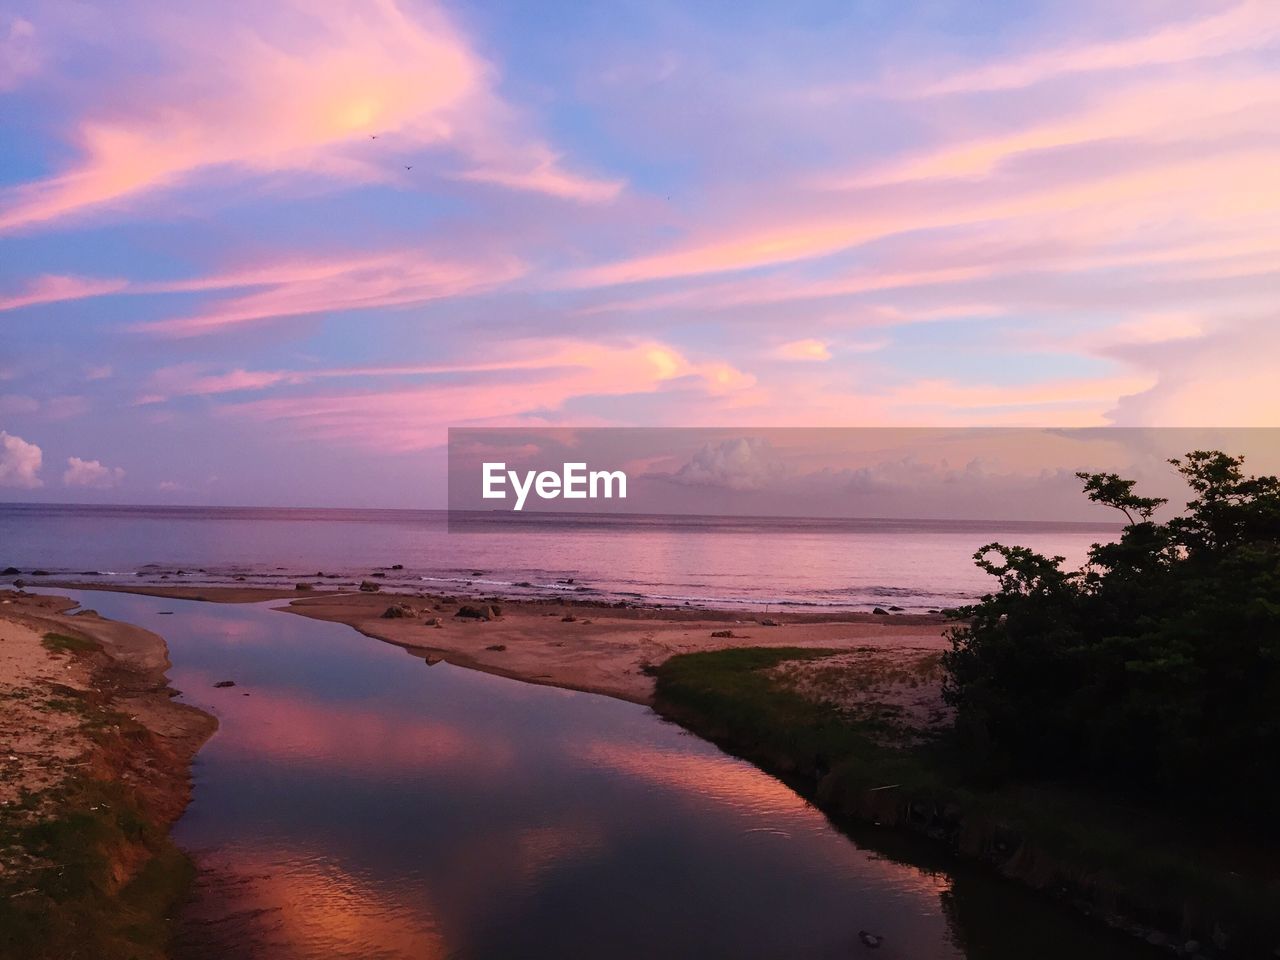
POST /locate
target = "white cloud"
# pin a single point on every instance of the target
(19, 462)
(747, 463)
(91, 473)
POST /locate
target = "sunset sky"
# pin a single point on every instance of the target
(270, 252)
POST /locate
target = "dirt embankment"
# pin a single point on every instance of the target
(94, 768)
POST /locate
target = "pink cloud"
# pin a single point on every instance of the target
(822, 396)
(292, 287)
(541, 172)
(1195, 109)
(533, 379)
(532, 388)
(1248, 26)
(187, 380)
(394, 279)
(302, 88)
(807, 349)
(1207, 372)
(53, 289)
(1213, 192)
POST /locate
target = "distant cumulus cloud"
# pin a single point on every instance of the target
(91, 474)
(19, 462)
(745, 463)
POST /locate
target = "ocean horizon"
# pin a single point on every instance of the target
(916, 565)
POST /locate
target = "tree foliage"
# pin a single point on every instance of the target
(1155, 668)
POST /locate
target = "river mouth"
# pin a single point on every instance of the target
(358, 801)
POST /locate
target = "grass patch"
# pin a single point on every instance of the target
(62, 643)
(727, 695)
(1142, 862)
(68, 900)
(71, 904)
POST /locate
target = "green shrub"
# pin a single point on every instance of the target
(1154, 669)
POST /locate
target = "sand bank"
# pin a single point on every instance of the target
(602, 649)
(94, 759)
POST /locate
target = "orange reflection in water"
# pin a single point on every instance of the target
(707, 777)
(744, 790)
(285, 903)
(281, 902)
(353, 737)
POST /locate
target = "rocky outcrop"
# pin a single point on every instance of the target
(487, 611)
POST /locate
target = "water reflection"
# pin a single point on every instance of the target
(357, 802)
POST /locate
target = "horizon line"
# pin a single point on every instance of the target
(521, 517)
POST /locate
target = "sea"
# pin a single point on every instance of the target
(756, 563)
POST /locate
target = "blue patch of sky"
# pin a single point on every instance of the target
(982, 350)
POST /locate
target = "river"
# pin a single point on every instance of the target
(359, 802)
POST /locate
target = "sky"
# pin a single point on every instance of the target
(269, 253)
(920, 473)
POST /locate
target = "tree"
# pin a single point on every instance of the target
(1155, 668)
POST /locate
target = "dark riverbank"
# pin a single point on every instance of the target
(98, 769)
(1189, 888)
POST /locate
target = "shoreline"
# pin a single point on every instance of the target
(603, 649)
(98, 768)
(590, 591)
